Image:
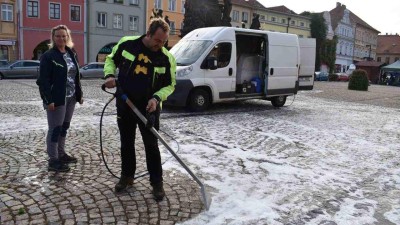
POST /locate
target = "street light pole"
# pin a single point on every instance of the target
(288, 24)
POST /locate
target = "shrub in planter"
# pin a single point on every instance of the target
(333, 77)
(358, 80)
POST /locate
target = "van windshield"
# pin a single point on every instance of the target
(186, 52)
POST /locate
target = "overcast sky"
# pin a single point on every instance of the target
(383, 15)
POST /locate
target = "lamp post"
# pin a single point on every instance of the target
(288, 24)
(369, 53)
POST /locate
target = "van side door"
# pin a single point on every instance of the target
(221, 78)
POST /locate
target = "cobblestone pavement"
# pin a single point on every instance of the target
(30, 194)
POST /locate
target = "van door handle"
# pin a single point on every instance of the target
(271, 71)
(230, 71)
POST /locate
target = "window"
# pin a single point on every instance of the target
(7, 12)
(117, 21)
(379, 59)
(101, 19)
(245, 17)
(55, 11)
(396, 58)
(119, 1)
(157, 4)
(222, 52)
(172, 27)
(75, 13)
(262, 17)
(134, 2)
(171, 5)
(302, 24)
(283, 21)
(293, 22)
(387, 59)
(3, 52)
(33, 9)
(133, 22)
(235, 15)
(183, 6)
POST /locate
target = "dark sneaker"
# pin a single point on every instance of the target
(68, 159)
(123, 182)
(158, 191)
(58, 166)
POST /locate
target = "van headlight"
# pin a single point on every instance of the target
(182, 72)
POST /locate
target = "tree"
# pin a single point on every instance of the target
(318, 31)
(205, 13)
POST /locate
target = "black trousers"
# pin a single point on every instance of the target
(127, 123)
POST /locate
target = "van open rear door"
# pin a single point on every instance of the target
(307, 63)
(282, 64)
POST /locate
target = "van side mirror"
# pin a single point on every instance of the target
(212, 63)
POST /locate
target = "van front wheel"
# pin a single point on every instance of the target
(278, 101)
(199, 100)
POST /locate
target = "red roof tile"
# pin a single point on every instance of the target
(388, 44)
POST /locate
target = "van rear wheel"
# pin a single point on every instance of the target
(278, 101)
(199, 100)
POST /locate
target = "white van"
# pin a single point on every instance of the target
(217, 64)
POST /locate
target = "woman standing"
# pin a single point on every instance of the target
(60, 88)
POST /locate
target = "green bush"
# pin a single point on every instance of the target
(333, 77)
(358, 80)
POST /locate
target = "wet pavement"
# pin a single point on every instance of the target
(30, 194)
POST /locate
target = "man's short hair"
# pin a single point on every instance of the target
(156, 23)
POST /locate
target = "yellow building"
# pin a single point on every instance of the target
(175, 10)
(278, 19)
(8, 30)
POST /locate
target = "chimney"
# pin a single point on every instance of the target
(338, 4)
(344, 6)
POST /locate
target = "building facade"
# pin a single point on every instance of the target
(357, 40)
(109, 21)
(388, 48)
(8, 30)
(38, 17)
(366, 40)
(344, 31)
(174, 10)
(277, 19)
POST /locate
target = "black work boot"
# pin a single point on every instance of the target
(123, 182)
(58, 166)
(158, 191)
(68, 159)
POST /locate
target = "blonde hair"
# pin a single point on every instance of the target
(70, 44)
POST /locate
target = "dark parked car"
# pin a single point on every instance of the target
(20, 69)
(321, 76)
(92, 70)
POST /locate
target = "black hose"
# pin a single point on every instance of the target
(101, 139)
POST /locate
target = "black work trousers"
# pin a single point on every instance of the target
(127, 123)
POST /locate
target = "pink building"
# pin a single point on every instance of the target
(38, 17)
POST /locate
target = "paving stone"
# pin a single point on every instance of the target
(85, 195)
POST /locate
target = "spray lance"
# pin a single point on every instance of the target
(149, 121)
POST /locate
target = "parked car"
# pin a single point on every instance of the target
(343, 76)
(321, 76)
(92, 70)
(3, 62)
(20, 69)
